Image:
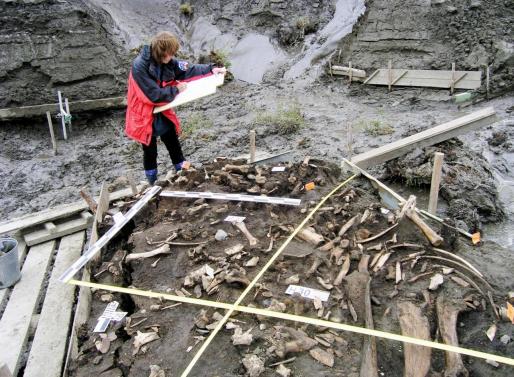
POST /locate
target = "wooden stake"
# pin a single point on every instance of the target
(67, 106)
(349, 140)
(52, 135)
(436, 181)
(252, 146)
(350, 75)
(132, 183)
(487, 73)
(452, 83)
(389, 74)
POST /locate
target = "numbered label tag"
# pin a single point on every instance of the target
(305, 292)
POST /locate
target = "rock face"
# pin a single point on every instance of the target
(55, 45)
(425, 34)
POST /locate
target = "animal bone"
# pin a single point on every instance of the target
(344, 270)
(164, 249)
(309, 235)
(239, 169)
(447, 313)
(242, 227)
(414, 324)
(347, 226)
(378, 235)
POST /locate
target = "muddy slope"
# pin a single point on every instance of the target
(421, 34)
(54, 45)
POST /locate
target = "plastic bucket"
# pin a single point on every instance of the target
(9, 265)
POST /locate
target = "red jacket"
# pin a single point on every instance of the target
(139, 117)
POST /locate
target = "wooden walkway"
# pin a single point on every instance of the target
(39, 315)
(39, 308)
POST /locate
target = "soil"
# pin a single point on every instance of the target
(84, 48)
(180, 327)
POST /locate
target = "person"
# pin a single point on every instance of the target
(155, 78)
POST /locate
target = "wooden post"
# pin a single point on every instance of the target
(132, 183)
(252, 146)
(52, 135)
(436, 180)
(452, 84)
(349, 140)
(389, 75)
(350, 73)
(487, 73)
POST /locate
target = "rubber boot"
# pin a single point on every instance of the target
(151, 176)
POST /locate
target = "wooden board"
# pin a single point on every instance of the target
(425, 138)
(75, 106)
(15, 323)
(22, 251)
(427, 78)
(58, 212)
(62, 229)
(48, 347)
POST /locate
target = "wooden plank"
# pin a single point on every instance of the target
(347, 70)
(58, 212)
(61, 230)
(425, 138)
(427, 78)
(4, 293)
(76, 106)
(48, 347)
(15, 323)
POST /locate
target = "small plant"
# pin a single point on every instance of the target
(283, 121)
(186, 9)
(193, 123)
(377, 128)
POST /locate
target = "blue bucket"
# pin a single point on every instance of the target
(9, 264)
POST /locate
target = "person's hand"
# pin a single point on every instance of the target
(181, 87)
(217, 70)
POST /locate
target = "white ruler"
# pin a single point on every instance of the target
(236, 197)
(97, 246)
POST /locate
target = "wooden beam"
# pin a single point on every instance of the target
(15, 323)
(69, 227)
(425, 138)
(48, 346)
(436, 181)
(77, 106)
(58, 212)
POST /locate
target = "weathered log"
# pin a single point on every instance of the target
(447, 313)
(414, 324)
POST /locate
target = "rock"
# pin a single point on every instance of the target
(294, 279)
(252, 262)
(436, 281)
(156, 371)
(242, 338)
(451, 9)
(283, 371)
(322, 356)
(475, 4)
(220, 235)
(254, 366)
(505, 339)
(493, 363)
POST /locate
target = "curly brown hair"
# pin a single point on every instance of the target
(162, 44)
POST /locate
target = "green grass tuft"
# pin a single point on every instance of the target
(194, 123)
(284, 121)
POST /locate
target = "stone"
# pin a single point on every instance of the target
(254, 366)
(505, 339)
(220, 235)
